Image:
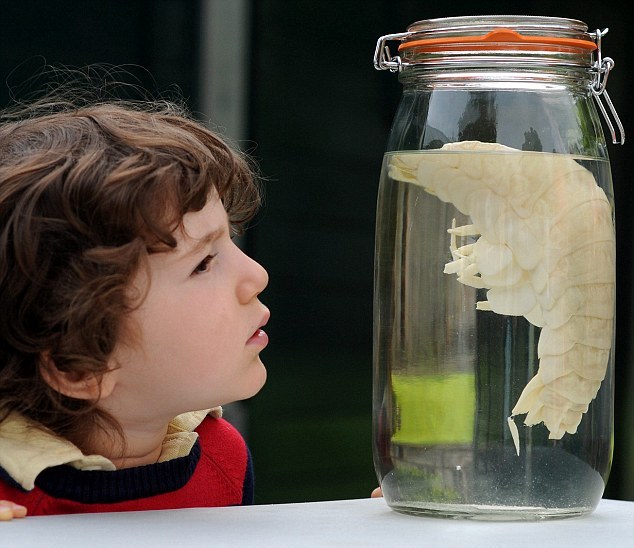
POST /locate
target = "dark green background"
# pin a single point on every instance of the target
(318, 118)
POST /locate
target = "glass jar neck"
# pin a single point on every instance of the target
(501, 52)
(498, 76)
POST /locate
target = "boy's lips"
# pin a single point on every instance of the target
(259, 336)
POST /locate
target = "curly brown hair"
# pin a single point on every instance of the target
(86, 193)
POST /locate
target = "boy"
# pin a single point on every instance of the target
(126, 309)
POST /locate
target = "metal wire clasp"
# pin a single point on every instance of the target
(383, 59)
(602, 67)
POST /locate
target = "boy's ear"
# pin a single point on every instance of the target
(74, 385)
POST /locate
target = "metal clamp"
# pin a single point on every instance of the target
(383, 59)
(602, 67)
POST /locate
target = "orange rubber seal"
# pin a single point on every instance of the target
(498, 39)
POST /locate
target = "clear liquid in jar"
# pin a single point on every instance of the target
(448, 375)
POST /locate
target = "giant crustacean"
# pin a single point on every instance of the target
(546, 251)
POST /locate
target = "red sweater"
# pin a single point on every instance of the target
(217, 472)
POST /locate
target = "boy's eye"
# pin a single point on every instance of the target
(203, 266)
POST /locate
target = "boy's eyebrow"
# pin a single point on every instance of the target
(204, 241)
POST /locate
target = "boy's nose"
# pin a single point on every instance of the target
(255, 279)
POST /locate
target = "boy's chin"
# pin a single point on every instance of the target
(260, 384)
(256, 383)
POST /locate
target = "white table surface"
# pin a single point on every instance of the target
(363, 522)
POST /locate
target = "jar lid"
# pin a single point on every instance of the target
(498, 33)
(499, 39)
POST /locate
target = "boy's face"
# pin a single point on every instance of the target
(197, 336)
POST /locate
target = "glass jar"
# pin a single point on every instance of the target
(494, 290)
